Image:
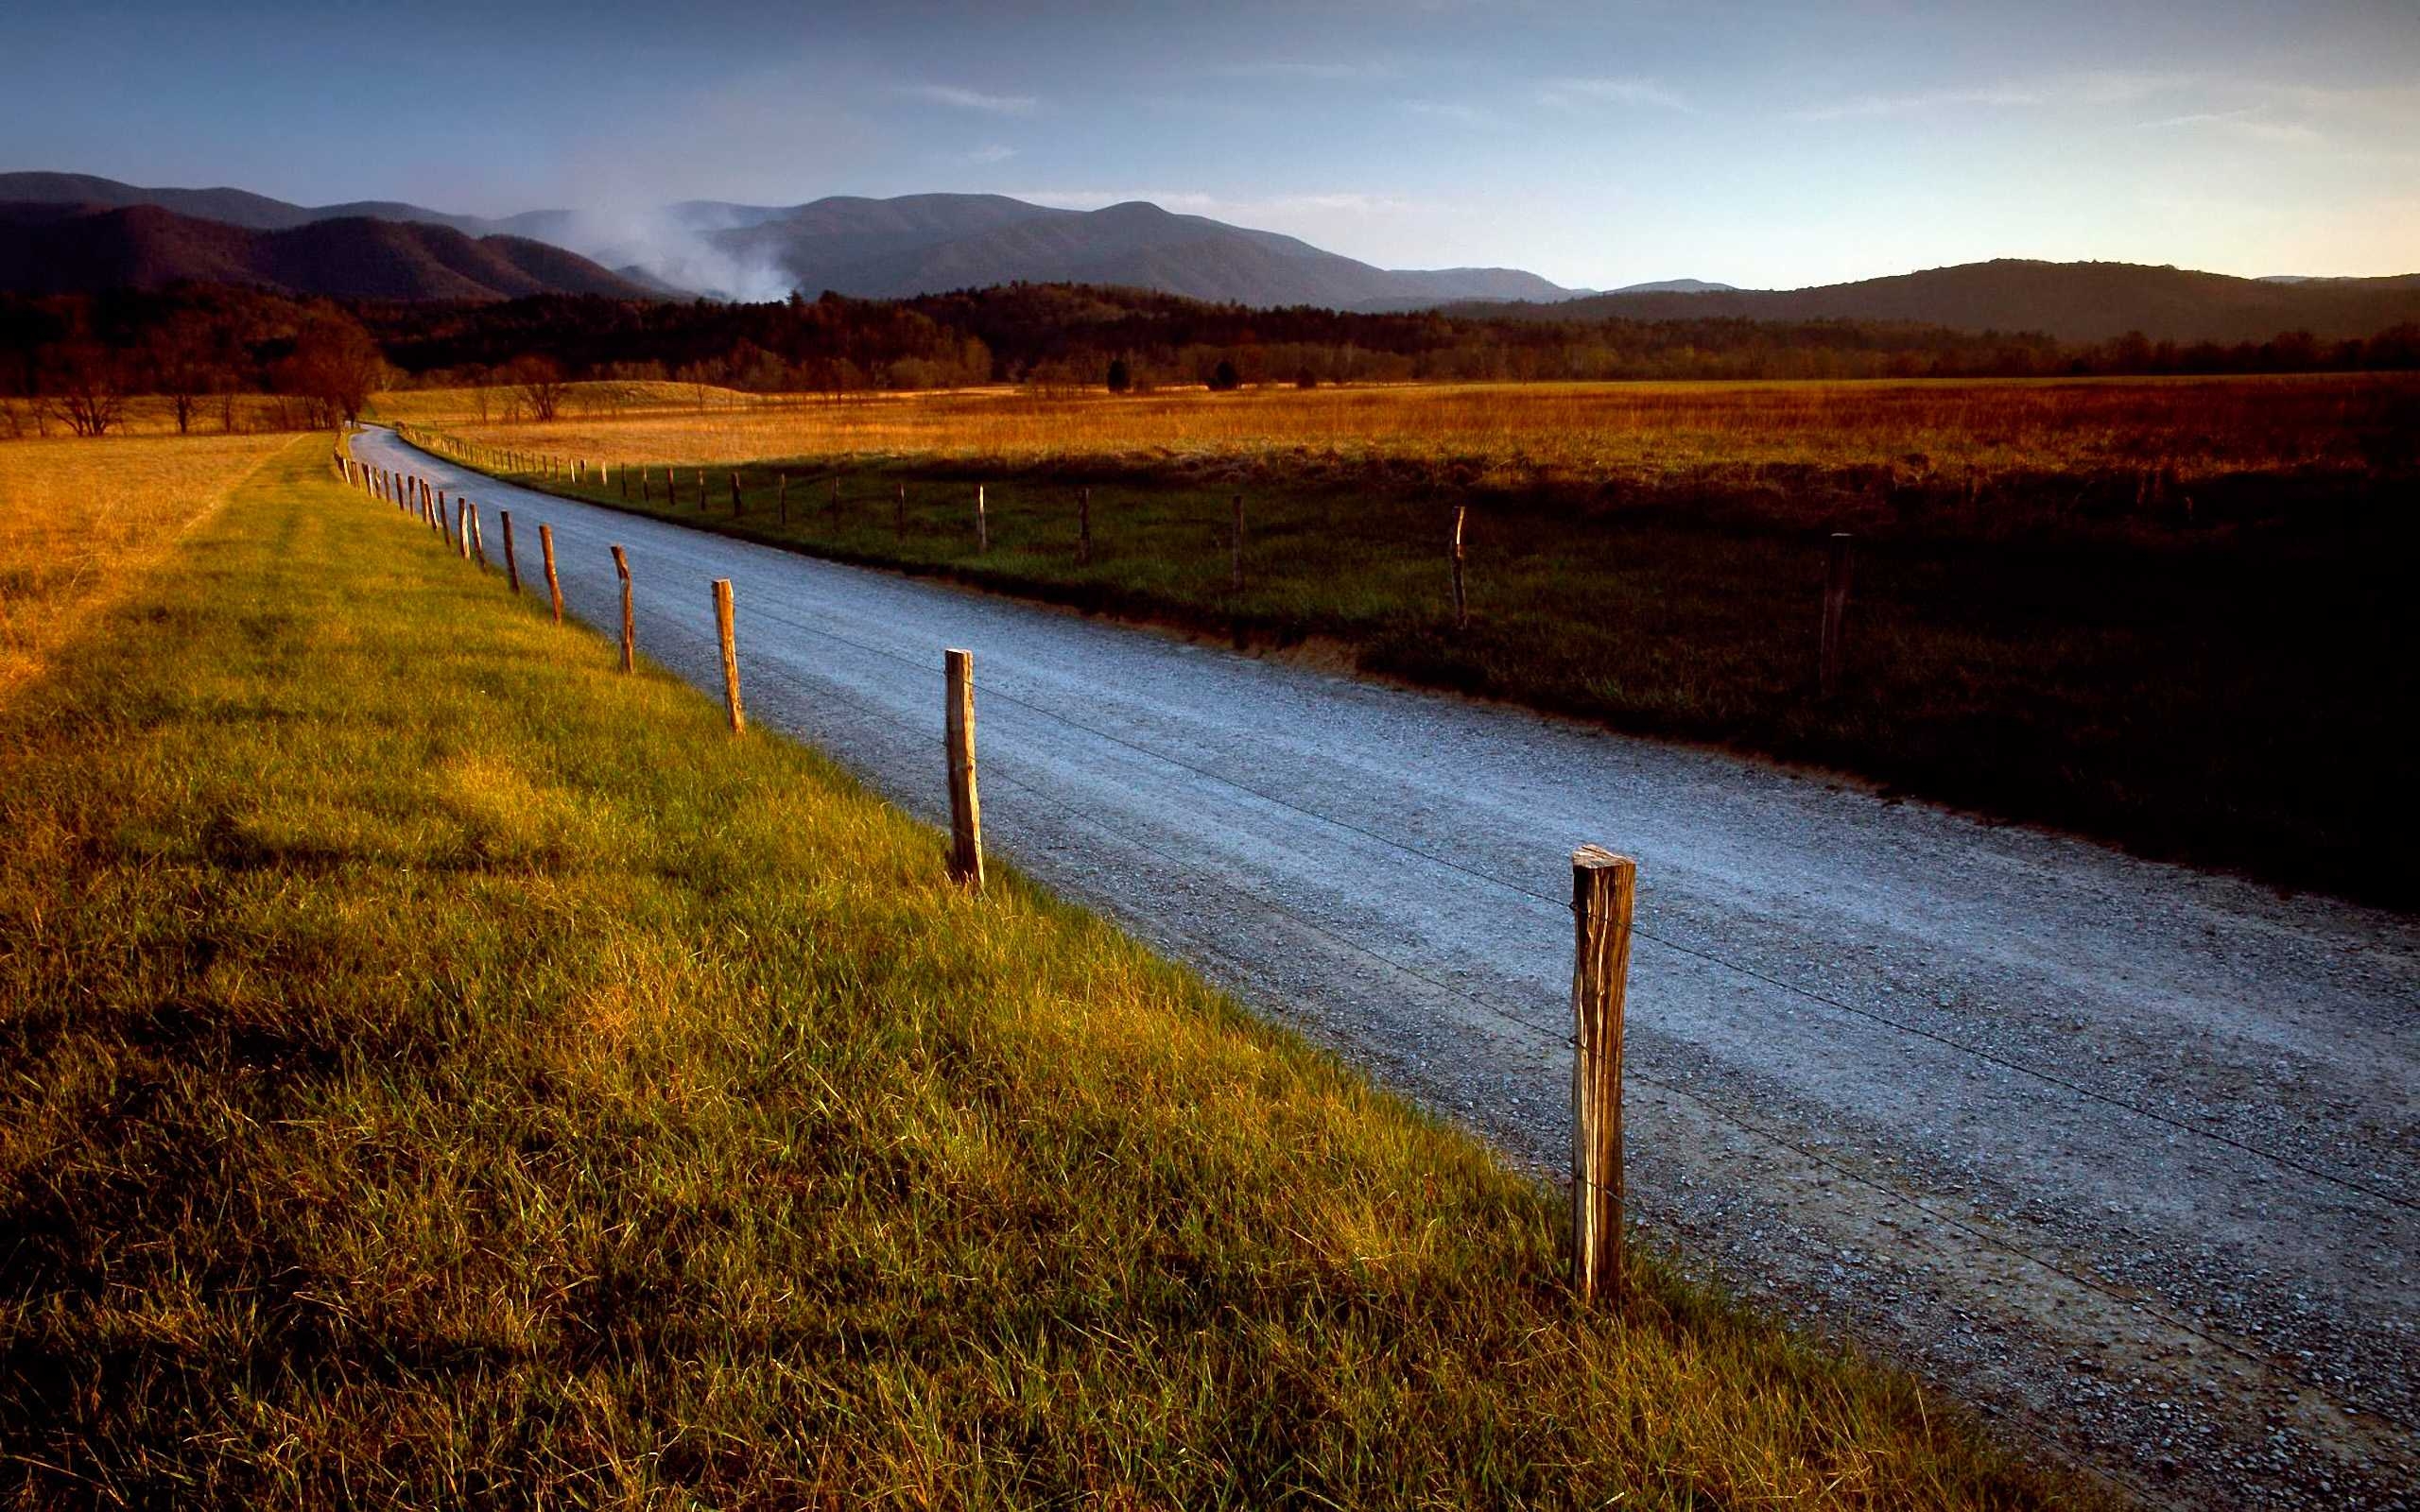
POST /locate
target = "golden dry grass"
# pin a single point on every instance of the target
(1501, 435)
(80, 520)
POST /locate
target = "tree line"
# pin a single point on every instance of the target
(78, 356)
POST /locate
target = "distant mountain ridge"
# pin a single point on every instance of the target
(63, 248)
(926, 243)
(55, 233)
(914, 244)
(2073, 301)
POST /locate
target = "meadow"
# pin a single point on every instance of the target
(2163, 612)
(439, 1068)
(80, 521)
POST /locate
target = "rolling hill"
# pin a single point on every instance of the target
(921, 243)
(2073, 301)
(53, 248)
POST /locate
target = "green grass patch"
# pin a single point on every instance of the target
(2202, 676)
(438, 1068)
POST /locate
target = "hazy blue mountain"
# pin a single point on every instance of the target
(2073, 301)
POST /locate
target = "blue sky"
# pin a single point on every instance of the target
(1768, 145)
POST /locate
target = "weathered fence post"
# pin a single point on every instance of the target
(629, 617)
(736, 505)
(1236, 574)
(705, 500)
(1461, 605)
(723, 630)
(511, 564)
(836, 495)
(781, 498)
(983, 525)
(899, 512)
(965, 809)
(626, 484)
(1602, 887)
(554, 585)
(475, 544)
(1836, 603)
(1083, 526)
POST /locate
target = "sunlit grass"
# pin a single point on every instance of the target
(81, 520)
(436, 1069)
(1503, 436)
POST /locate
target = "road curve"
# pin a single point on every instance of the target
(2125, 1154)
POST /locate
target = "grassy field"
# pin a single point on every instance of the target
(436, 1069)
(80, 520)
(1508, 438)
(2166, 613)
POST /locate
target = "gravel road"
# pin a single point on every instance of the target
(2123, 1154)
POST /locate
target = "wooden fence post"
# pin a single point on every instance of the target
(478, 538)
(836, 495)
(511, 564)
(629, 617)
(899, 512)
(781, 498)
(554, 585)
(626, 484)
(1836, 603)
(1235, 575)
(730, 654)
(982, 525)
(1083, 526)
(1461, 605)
(965, 809)
(736, 505)
(1602, 887)
(705, 500)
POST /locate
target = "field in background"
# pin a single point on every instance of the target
(156, 415)
(79, 518)
(2165, 613)
(1513, 437)
(436, 1068)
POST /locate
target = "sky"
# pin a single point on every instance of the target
(1763, 144)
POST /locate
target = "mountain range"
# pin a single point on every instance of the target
(2073, 301)
(68, 249)
(66, 232)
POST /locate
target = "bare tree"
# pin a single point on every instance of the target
(87, 388)
(541, 383)
(335, 366)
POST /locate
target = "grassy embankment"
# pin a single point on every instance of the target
(2164, 613)
(436, 1068)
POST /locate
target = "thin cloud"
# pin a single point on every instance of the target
(1869, 107)
(1633, 92)
(1289, 68)
(989, 152)
(972, 99)
(1454, 111)
(2250, 123)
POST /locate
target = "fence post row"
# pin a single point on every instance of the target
(554, 586)
(723, 632)
(1836, 603)
(1602, 887)
(630, 618)
(965, 809)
